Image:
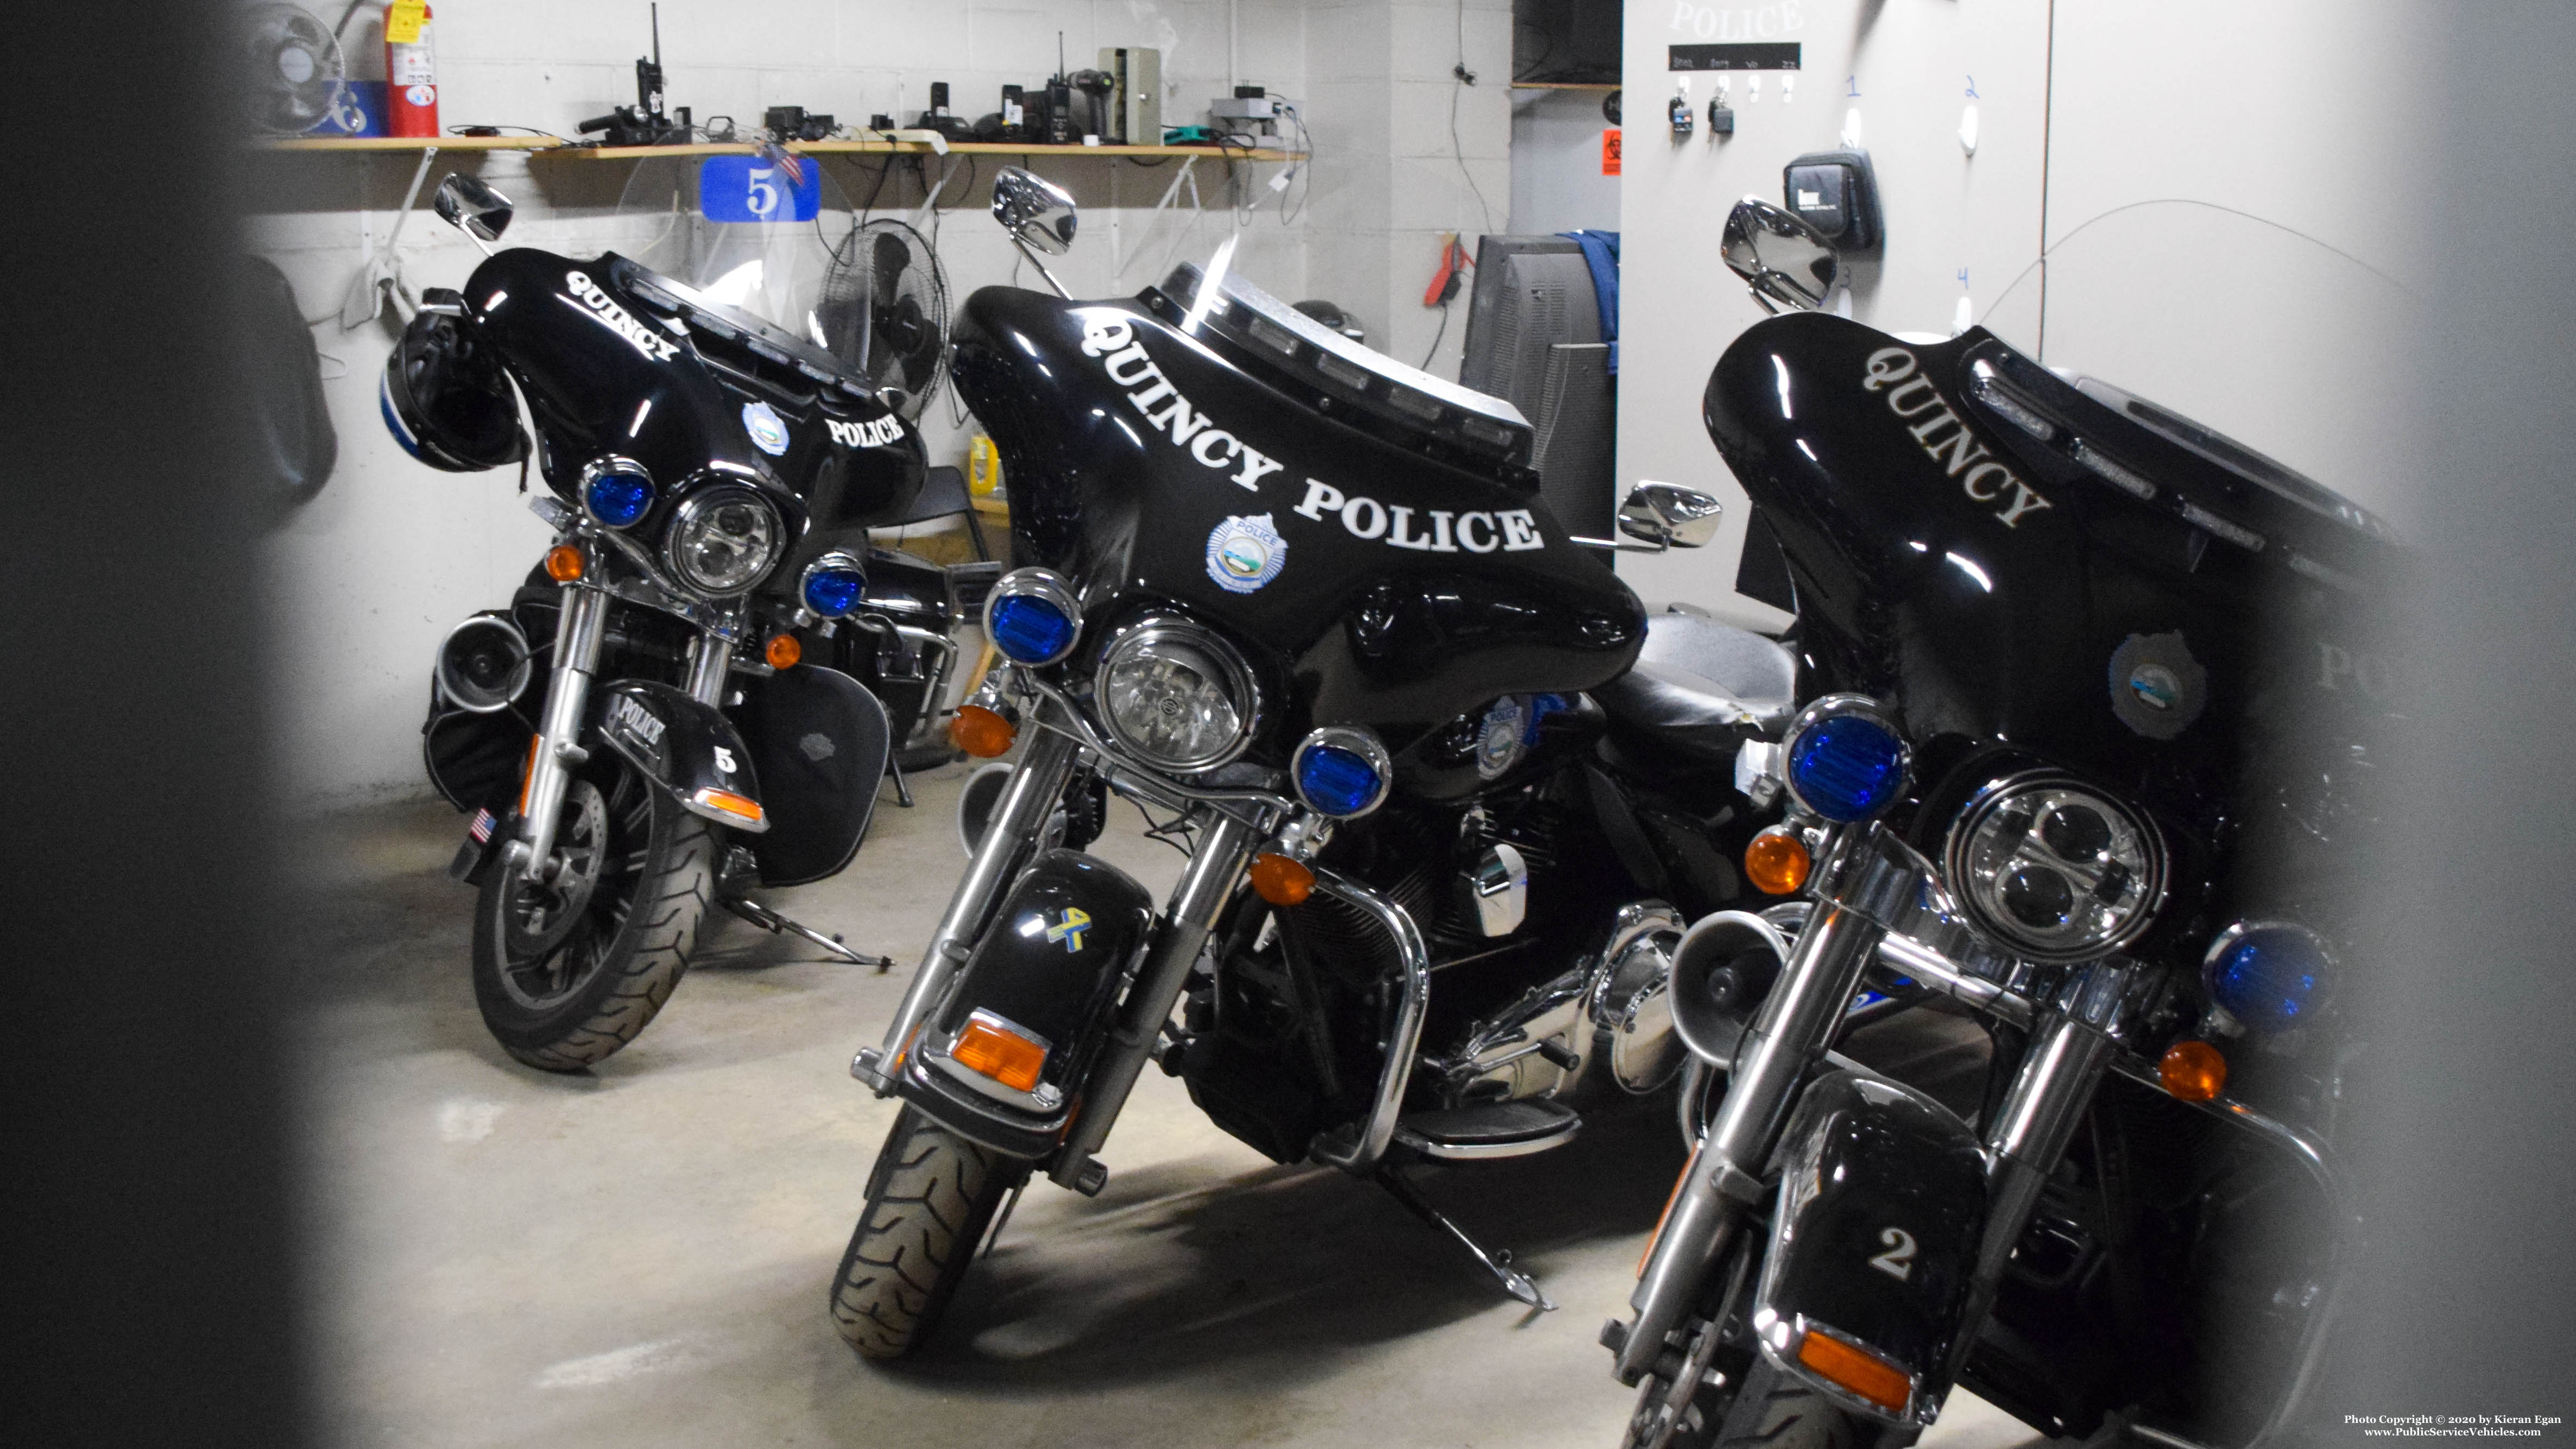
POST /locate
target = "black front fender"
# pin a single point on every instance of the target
(1882, 1200)
(687, 749)
(1049, 968)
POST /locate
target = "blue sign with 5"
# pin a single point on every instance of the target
(759, 188)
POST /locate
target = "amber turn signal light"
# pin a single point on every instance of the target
(2193, 1071)
(995, 1048)
(783, 651)
(981, 732)
(1857, 1369)
(1281, 881)
(1777, 862)
(726, 802)
(563, 563)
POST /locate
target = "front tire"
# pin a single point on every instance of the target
(567, 973)
(1771, 1410)
(930, 1199)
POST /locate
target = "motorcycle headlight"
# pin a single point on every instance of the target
(2054, 871)
(833, 585)
(2269, 975)
(1341, 772)
(1843, 759)
(616, 491)
(1177, 695)
(723, 540)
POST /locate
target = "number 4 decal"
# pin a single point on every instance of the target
(1898, 1260)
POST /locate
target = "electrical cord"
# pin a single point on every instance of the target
(1436, 336)
(1457, 148)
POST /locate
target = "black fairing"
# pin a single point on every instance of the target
(680, 745)
(819, 742)
(1985, 582)
(1051, 963)
(1360, 630)
(614, 361)
(1881, 1202)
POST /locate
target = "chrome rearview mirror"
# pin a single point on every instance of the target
(1667, 515)
(467, 204)
(1786, 262)
(1038, 214)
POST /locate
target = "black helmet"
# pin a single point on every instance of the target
(446, 400)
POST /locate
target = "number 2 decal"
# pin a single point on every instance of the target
(1898, 1260)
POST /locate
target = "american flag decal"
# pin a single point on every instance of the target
(481, 829)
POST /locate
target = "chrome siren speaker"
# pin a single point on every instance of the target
(483, 664)
(1725, 965)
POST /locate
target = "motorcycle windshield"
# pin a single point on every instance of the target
(758, 240)
(2042, 559)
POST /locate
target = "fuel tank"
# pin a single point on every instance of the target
(616, 360)
(2021, 560)
(1393, 579)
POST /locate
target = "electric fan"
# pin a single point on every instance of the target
(294, 72)
(884, 311)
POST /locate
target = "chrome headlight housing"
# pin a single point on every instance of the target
(723, 540)
(2054, 871)
(1177, 695)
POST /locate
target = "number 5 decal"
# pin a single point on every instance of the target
(764, 190)
(1898, 1260)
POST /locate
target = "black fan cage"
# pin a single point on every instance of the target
(884, 310)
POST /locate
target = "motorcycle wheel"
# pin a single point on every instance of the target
(931, 1197)
(568, 972)
(1772, 1410)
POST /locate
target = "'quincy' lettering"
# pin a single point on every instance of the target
(1938, 429)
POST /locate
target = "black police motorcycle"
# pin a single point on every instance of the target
(2075, 755)
(671, 711)
(1449, 793)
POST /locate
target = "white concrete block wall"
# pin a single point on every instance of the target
(1394, 175)
(371, 573)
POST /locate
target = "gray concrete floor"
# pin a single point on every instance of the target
(639, 1255)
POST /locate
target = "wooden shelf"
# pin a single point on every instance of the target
(878, 147)
(1562, 86)
(574, 150)
(410, 143)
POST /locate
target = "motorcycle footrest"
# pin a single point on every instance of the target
(1489, 1129)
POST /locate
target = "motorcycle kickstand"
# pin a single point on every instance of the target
(902, 790)
(771, 921)
(1498, 1262)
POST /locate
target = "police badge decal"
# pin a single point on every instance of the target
(1245, 553)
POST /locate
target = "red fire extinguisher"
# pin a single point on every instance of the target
(411, 76)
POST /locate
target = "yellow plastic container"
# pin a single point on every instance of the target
(983, 466)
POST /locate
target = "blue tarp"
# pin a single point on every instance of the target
(1601, 253)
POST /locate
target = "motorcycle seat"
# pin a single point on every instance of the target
(1703, 686)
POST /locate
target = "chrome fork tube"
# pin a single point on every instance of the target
(1217, 862)
(2049, 1094)
(1019, 818)
(709, 658)
(585, 613)
(1791, 1031)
